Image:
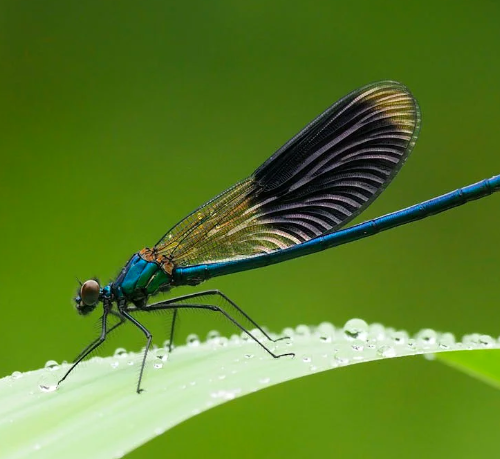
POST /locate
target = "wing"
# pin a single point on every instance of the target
(315, 184)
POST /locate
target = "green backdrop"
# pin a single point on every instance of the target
(118, 118)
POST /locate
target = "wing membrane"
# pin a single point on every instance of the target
(316, 183)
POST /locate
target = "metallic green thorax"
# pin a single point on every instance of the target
(140, 278)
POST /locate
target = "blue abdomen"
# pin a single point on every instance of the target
(140, 278)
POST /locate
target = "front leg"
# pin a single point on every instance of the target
(94, 345)
(98, 339)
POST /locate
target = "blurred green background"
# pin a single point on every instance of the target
(118, 118)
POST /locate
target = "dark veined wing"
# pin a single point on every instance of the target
(315, 184)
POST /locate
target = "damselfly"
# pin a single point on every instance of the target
(294, 204)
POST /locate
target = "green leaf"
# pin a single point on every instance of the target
(483, 365)
(96, 412)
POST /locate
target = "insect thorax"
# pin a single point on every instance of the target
(141, 278)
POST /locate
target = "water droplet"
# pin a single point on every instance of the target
(412, 344)
(258, 335)
(288, 331)
(49, 388)
(326, 328)
(158, 431)
(313, 368)
(471, 339)
(16, 375)
(166, 344)
(223, 341)
(446, 340)
(213, 335)
(427, 337)
(225, 394)
(52, 365)
(120, 352)
(356, 329)
(221, 377)
(158, 365)
(306, 359)
(162, 357)
(302, 330)
(341, 359)
(399, 337)
(235, 339)
(130, 362)
(115, 364)
(193, 340)
(249, 356)
(265, 380)
(325, 339)
(377, 332)
(486, 341)
(358, 346)
(386, 351)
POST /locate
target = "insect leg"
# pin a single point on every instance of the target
(89, 348)
(122, 321)
(149, 336)
(172, 328)
(228, 304)
(167, 305)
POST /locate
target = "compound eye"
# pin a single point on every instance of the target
(89, 292)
